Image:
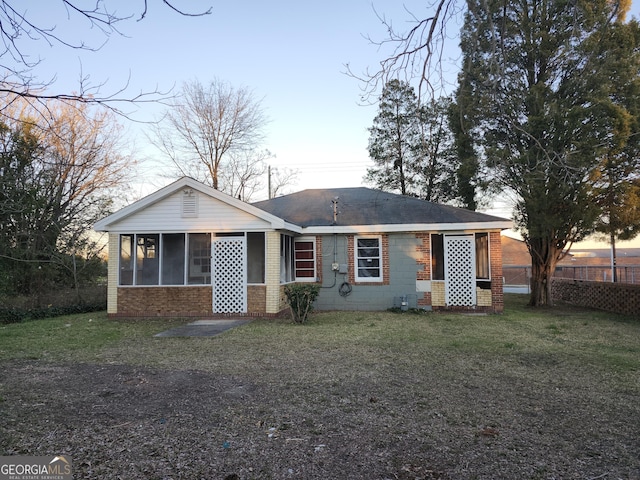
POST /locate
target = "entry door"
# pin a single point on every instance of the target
(229, 274)
(460, 270)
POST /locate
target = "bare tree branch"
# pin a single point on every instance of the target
(416, 53)
(213, 133)
(19, 78)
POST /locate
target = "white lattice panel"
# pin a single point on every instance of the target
(460, 271)
(229, 275)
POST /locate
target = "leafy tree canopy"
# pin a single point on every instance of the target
(546, 109)
(412, 146)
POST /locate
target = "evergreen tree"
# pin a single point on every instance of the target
(412, 146)
(539, 76)
(468, 167)
(434, 163)
(393, 135)
(616, 185)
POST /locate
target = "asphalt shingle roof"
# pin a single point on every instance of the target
(364, 206)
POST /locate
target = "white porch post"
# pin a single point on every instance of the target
(272, 274)
(112, 273)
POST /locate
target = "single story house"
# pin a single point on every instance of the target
(190, 250)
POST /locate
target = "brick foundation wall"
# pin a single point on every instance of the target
(611, 297)
(164, 301)
(194, 301)
(256, 299)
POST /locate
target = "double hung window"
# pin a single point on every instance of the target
(368, 259)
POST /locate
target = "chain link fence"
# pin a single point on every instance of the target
(517, 278)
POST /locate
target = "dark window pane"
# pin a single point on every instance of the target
(368, 262)
(368, 272)
(255, 257)
(305, 274)
(199, 271)
(173, 259)
(126, 259)
(147, 262)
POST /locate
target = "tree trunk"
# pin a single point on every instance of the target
(540, 285)
(544, 257)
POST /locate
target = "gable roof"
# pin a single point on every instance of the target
(108, 223)
(364, 209)
(360, 210)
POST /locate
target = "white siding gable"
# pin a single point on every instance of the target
(167, 215)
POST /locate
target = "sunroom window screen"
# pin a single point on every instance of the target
(126, 259)
(147, 259)
(286, 259)
(173, 259)
(199, 272)
(255, 257)
(165, 259)
(437, 256)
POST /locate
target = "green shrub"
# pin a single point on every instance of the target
(17, 314)
(300, 297)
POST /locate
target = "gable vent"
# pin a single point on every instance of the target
(189, 203)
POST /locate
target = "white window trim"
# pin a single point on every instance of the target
(357, 278)
(284, 239)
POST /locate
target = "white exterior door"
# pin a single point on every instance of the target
(460, 270)
(229, 274)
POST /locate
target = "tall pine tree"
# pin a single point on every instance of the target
(412, 146)
(539, 76)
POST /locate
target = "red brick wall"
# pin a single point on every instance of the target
(621, 298)
(495, 256)
(424, 256)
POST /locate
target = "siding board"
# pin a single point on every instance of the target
(166, 216)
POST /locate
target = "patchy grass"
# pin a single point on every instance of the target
(549, 393)
(78, 337)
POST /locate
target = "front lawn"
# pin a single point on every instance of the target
(528, 394)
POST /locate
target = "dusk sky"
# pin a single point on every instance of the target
(291, 54)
